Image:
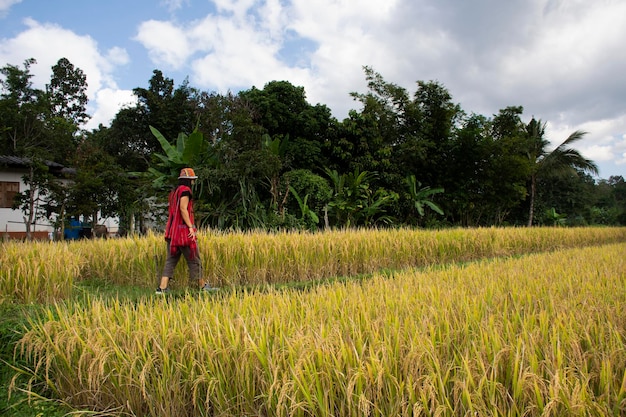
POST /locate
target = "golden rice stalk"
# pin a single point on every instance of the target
(41, 271)
(37, 272)
(538, 335)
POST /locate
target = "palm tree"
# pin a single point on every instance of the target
(562, 159)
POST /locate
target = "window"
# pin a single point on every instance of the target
(8, 190)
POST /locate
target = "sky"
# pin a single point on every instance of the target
(563, 61)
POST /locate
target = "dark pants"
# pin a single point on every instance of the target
(172, 261)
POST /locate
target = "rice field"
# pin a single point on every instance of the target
(491, 322)
(37, 272)
(43, 271)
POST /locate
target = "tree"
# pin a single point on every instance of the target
(232, 180)
(188, 151)
(67, 93)
(573, 194)
(282, 111)
(561, 160)
(32, 200)
(309, 218)
(27, 126)
(396, 133)
(362, 146)
(489, 174)
(67, 97)
(168, 109)
(437, 119)
(555, 218)
(274, 152)
(375, 138)
(97, 186)
(23, 111)
(125, 140)
(306, 183)
(618, 186)
(57, 203)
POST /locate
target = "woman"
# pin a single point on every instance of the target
(180, 233)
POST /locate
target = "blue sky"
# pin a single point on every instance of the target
(562, 60)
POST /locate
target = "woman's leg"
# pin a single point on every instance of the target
(168, 270)
(193, 262)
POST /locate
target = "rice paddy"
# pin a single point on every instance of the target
(496, 322)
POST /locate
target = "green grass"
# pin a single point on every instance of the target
(12, 320)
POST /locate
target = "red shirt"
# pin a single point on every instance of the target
(176, 231)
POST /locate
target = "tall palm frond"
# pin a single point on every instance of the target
(562, 159)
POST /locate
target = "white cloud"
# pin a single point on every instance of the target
(600, 144)
(620, 147)
(5, 5)
(118, 56)
(166, 44)
(240, 46)
(236, 56)
(569, 49)
(224, 52)
(598, 153)
(48, 43)
(237, 8)
(273, 18)
(173, 5)
(375, 33)
(562, 60)
(105, 105)
(324, 19)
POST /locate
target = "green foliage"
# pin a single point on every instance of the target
(250, 148)
(555, 218)
(308, 216)
(305, 182)
(35, 196)
(281, 111)
(562, 160)
(97, 186)
(481, 189)
(189, 151)
(168, 108)
(24, 112)
(67, 92)
(421, 197)
(354, 203)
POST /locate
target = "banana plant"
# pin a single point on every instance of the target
(556, 218)
(421, 196)
(307, 213)
(188, 151)
(354, 202)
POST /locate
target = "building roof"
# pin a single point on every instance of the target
(21, 162)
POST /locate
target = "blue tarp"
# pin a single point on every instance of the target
(73, 230)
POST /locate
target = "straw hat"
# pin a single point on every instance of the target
(187, 173)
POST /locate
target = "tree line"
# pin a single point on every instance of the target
(268, 159)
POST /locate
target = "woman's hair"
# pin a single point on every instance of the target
(185, 181)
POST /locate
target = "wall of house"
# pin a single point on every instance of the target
(12, 221)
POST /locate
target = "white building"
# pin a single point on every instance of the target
(12, 222)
